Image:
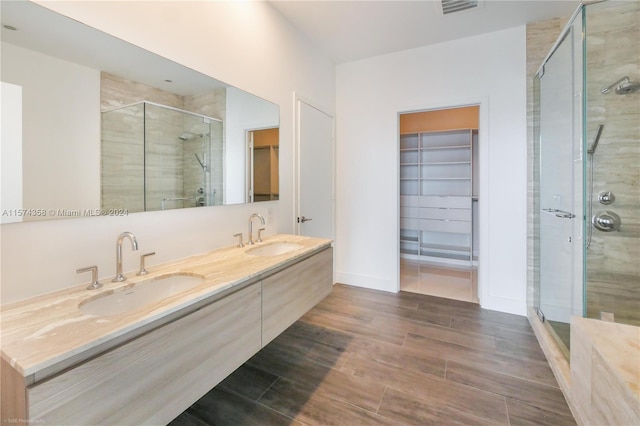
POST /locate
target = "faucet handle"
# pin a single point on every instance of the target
(239, 236)
(259, 240)
(94, 276)
(142, 270)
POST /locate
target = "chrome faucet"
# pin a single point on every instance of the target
(259, 216)
(134, 245)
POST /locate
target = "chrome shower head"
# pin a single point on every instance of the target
(628, 87)
(624, 86)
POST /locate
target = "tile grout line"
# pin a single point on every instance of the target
(506, 407)
(349, 353)
(384, 392)
(269, 387)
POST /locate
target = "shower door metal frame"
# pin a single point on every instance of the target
(576, 212)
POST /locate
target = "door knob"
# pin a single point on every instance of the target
(304, 219)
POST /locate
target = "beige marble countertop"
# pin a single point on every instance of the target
(48, 330)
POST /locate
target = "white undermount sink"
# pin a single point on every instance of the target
(142, 294)
(273, 249)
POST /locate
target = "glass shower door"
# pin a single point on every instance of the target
(560, 277)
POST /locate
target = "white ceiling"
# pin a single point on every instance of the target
(351, 30)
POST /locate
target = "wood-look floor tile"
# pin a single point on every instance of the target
(299, 338)
(433, 390)
(425, 317)
(363, 296)
(387, 353)
(221, 408)
(248, 381)
(187, 419)
(520, 335)
(410, 410)
(339, 322)
(535, 371)
(527, 350)
(476, 313)
(525, 415)
(458, 337)
(354, 390)
(336, 305)
(314, 407)
(328, 355)
(530, 393)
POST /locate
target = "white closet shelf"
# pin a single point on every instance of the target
(445, 248)
(447, 178)
(443, 163)
(453, 256)
(433, 148)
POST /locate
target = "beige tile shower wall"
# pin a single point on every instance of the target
(540, 39)
(122, 159)
(212, 104)
(613, 51)
(117, 91)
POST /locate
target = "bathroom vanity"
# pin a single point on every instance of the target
(64, 361)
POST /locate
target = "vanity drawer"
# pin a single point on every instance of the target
(445, 214)
(454, 226)
(151, 378)
(289, 294)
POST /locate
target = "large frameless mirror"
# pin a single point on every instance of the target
(94, 125)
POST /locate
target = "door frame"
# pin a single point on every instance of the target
(248, 138)
(483, 177)
(296, 162)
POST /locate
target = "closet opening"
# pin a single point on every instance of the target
(439, 245)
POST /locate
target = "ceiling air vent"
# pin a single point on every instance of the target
(451, 6)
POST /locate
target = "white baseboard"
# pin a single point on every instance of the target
(367, 281)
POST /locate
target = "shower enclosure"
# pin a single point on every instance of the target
(156, 157)
(587, 129)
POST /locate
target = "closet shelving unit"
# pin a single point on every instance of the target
(265, 152)
(436, 191)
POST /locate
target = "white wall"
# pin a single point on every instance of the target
(10, 152)
(222, 39)
(488, 69)
(61, 104)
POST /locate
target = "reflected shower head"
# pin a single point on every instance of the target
(185, 136)
(624, 87)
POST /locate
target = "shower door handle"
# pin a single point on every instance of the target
(560, 213)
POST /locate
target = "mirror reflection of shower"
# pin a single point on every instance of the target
(197, 144)
(158, 157)
(186, 136)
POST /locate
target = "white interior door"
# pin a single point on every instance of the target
(315, 207)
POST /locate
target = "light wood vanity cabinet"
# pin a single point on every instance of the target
(151, 378)
(155, 376)
(288, 295)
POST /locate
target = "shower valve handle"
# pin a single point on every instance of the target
(606, 221)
